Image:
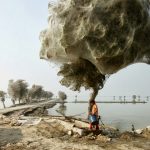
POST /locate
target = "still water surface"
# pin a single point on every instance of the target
(121, 116)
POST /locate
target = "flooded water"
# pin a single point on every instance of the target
(121, 116)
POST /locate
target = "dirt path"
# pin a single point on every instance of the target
(33, 105)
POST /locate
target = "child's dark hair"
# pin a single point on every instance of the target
(92, 101)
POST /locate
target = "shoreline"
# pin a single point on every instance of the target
(33, 130)
(45, 133)
(122, 102)
(48, 103)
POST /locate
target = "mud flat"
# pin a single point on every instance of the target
(31, 128)
(49, 133)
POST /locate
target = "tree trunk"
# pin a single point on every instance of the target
(26, 100)
(92, 97)
(93, 94)
(13, 101)
(30, 99)
(3, 104)
(19, 101)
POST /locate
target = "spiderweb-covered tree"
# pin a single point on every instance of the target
(46, 94)
(62, 96)
(17, 90)
(2, 98)
(35, 92)
(82, 73)
(95, 39)
(62, 108)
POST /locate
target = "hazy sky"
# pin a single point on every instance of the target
(20, 24)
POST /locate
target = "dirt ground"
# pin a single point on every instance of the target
(45, 135)
(30, 129)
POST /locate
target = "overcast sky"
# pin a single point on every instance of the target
(20, 24)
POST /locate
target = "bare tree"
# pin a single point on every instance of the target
(2, 98)
(62, 96)
(17, 90)
(35, 92)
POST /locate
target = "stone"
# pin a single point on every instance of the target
(148, 128)
(20, 144)
(15, 122)
(2, 117)
(103, 138)
(139, 131)
(70, 132)
(77, 136)
(91, 134)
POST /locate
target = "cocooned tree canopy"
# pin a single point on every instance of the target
(94, 39)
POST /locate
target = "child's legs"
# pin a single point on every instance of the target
(97, 126)
(90, 126)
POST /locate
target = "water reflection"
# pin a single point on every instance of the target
(121, 116)
(62, 109)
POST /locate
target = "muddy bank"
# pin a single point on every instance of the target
(48, 133)
(36, 110)
(31, 128)
(39, 111)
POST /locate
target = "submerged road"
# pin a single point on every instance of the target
(33, 105)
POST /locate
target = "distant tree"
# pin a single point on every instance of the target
(11, 91)
(147, 98)
(114, 98)
(2, 98)
(17, 90)
(76, 98)
(139, 98)
(35, 92)
(124, 98)
(120, 98)
(133, 98)
(2, 94)
(47, 94)
(62, 95)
